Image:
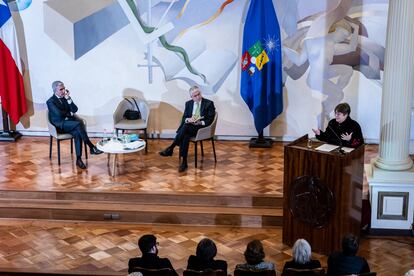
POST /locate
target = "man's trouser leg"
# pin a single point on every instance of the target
(183, 138)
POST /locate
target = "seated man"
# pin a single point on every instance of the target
(149, 259)
(61, 114)
(345, 262)
(198, 113)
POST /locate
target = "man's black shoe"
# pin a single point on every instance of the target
(183, 167)
(96, 151)
(167, 152)
(80, 164)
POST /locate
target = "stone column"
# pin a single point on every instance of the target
(391, 176)
(398, 88)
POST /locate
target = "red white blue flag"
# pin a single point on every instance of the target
(12, 93)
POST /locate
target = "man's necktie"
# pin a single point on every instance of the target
(197, 111)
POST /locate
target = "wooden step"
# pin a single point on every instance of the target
(195, 199)
(140, 213)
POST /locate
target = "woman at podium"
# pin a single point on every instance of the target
(341, 131)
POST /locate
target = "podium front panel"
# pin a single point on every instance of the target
(322, 195)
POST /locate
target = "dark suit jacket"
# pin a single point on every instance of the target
(309, 265)
(60, 110)
(207, 110)
(151, 261)
(195, 263)
(333, 132)
(341, 264)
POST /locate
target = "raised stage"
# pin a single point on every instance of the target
(243, 189)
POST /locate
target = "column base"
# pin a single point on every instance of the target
(391, 194)
(388, 165)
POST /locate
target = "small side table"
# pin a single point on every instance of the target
(116, 147)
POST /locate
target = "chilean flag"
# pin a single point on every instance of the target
(12, 94)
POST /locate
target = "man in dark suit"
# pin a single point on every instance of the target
(62, 115)
(198, 113)
(346, 262)
(149, 259)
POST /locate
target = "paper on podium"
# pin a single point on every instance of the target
(327, 147)
(347, 150)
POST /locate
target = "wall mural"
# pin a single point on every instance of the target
(332, 44)
(333, 51)
(16, 5)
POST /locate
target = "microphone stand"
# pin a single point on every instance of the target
(340, 150)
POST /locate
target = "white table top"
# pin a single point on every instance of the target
(119, 147)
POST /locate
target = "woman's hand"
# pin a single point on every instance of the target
(345, 136)
(316, 131)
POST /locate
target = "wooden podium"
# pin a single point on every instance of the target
(322, 195)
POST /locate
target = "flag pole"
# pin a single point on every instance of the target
(8, 135)
(260, 142)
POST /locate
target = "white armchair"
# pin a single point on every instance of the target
(120, 123)
(54, 133)
(205, 133)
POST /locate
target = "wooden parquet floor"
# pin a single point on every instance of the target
(239, 170)
(26, 166)
(90, 247)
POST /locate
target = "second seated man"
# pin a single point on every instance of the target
(62, 111)
(198, 113)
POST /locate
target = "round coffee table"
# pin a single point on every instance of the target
(115, 147)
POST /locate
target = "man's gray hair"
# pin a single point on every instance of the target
(55, 84)
(193, 88)
(301, 251)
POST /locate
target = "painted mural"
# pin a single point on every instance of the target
(333, 51)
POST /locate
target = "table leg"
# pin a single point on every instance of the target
(109, 157)
(114, 165)
(141, 161)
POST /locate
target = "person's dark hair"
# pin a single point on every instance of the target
(350, 245)
(254, 253)
(146, 243)
(343, 108)
(206, 249)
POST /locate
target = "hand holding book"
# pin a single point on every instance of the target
(195, 120)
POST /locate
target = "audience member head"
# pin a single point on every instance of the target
(410, 273)
(254, 253)
(301, 251)
(135, 274)
(350, 245)
(148, 244)
(206, 249)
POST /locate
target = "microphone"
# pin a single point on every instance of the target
(340, 150)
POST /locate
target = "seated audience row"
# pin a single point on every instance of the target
(339, 263)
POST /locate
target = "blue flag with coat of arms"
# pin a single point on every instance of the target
(261, 77)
